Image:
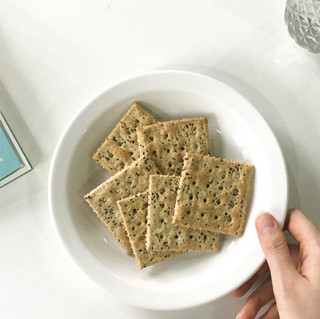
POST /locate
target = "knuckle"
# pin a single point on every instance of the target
(298, 210)
(293, 211)
(276, 246)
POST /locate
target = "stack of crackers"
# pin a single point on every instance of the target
(167, 195)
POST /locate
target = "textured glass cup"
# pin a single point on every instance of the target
(303, 20)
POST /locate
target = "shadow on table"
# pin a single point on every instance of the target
(213, 310)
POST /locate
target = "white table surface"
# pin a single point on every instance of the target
(55, 55)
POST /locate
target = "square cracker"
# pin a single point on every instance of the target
(134, 211)
(162, 235)
(213, 194)
(120, 148)
(103, 199)
(167, 142)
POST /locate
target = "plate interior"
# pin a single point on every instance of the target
(230, 138)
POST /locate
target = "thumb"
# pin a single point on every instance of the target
(275, 248)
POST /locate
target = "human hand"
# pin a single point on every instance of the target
(295, 273)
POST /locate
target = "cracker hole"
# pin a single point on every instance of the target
(188, 212)
(166, 136)
(210, 170)
(151, 138)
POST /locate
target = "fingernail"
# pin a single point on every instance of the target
(264, 222)
(238, 316)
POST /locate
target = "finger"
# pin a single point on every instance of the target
(257, 300)
(244, 288)
(301, 228)
(294, 253)
(272, 313)
(275, 248)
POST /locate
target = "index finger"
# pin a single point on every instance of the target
(300, 227)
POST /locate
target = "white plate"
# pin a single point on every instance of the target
(237, 132)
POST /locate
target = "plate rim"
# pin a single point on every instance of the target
(136, 302)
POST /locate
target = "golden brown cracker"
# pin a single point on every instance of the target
(103, 199)
(213, 194)
(120, 148)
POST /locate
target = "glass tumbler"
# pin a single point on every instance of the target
(303, 21)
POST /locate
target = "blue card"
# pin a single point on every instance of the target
(9, 159)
